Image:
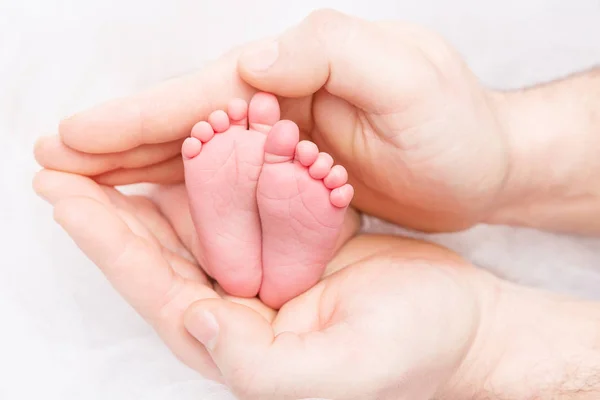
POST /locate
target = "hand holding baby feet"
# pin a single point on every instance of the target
(268, 209)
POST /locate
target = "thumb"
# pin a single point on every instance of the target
(237, 337)
(229, 331)
(354, 59)
(257, 365)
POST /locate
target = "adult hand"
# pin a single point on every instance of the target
(390, 101)
(380, 328)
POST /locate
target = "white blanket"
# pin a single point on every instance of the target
(65, 334)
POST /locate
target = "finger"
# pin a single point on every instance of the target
(50, 152)
(257, 364)
(352, 58)
(137, 270)
(166, 172)
(85, 211)
(53, 186)
(163, 114)
(103, 226)
(120, 245)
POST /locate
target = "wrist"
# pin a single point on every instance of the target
(549, 346)
(532, 344)
(469, 379)
(553, 135)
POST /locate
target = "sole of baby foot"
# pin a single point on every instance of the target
(223, 158)
(302, 200)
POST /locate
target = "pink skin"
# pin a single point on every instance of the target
(222, 161)
(282, 218)
(301, 216)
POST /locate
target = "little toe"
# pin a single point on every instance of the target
(263, 112)
(238, 112)
(281, 142)
(336, 177)
(190, 148)
(203, 131)
(307, 153)
(219, 121)
(342, 196)
(321, 166)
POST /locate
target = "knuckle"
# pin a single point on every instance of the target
(323, 15)
(325, 20)
(332, 29)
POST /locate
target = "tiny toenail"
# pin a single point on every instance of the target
(261, 56)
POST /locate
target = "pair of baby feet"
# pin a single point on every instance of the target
(268, 209)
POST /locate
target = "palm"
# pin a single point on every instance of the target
(366, 310)
(395, 324)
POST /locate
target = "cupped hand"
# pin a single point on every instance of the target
(391, 102)
(392, 319)
(399, 321)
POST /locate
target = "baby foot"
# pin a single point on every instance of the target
(222, 160)
(302, 202)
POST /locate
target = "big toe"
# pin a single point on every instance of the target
(281, 142)
(263, 112)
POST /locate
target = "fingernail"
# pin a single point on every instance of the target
(204, 328)
(261, 56)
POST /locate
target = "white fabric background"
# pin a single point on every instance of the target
(64, 333)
